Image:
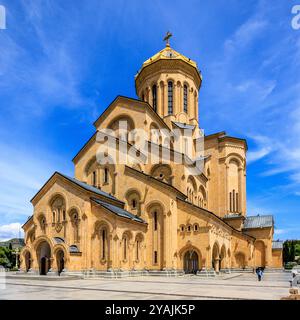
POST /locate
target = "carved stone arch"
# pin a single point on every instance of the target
(26, 258)
(60, 246)
(154, 133)
(190, 258)
(140, 236)
(88, 165)
(42, 220)
(114, 125)
(41, 239)
(233, 156)
(30, 236)
(193, 182)
(58, 205)
(216, 250)
(155, 205)
(100, 224)
(72, 209)
(55, 195)
(162, 172)
(134, 197)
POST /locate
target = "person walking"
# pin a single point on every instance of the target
(259, 274)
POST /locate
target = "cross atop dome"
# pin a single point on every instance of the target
(167, 38)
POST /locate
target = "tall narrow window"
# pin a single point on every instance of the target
(53, 216)
(155, 256)
(125, 248)
(155, 221)
(230, 201)
(154, 97)
(137, 249)
(233, 200)
(185, 98)
(103, 243)
(94, 178)
(237, 202)
(170, 97)
(105, 175)
(133, 203)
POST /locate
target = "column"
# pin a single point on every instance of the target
(158, 99)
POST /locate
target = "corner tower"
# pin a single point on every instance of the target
(170, 83)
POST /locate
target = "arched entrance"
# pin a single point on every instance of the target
(259, 250)
(240, 260)
(27, 257)
(60, 260)
(223, 258)
(43, 255)
(216, 257)
(191, 262)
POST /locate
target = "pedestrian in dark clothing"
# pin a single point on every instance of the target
(259, 274)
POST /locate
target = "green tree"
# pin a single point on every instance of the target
(286, 252)
(4, 260)
(292, 252)
(297, 249)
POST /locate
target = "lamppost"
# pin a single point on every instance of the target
(16, 253)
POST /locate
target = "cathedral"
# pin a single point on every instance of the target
(139, 216)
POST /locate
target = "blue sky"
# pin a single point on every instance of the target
(63, 62)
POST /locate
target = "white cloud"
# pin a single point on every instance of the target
(9, 231)
(280, 231)
(22, 173)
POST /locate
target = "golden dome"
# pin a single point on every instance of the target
(168, 54)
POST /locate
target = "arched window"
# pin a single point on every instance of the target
(94, 178)
(170, 97)
(125, 248)
(138, 243)
(58, 208)
(133, 203)
(105, 180)
(185, 98)
(154, 97)
(155, 220)
(75, 224)
(103, 238)
(133, 198)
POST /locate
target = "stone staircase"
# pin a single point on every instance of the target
(206, 274)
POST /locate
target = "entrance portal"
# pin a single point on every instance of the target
(27, 261)
(44, 254)
(191, 262)
(60, 261)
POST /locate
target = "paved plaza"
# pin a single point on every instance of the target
(234, 286)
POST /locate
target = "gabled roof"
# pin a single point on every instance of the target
(184, 125)
(80, 184)
(89, 187)
(118, 211)
(258, 221)
(277, 245)
(165, 184)
(138, 102)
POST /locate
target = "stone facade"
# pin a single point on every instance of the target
(143, 217)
